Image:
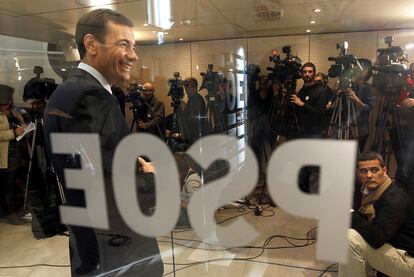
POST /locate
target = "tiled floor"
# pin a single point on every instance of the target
(19, 248)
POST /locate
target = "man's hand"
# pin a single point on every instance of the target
(145, 167)
(329, 106)
(351, 94)
(19, 130)
(296, 100)
(407, 103)
(142, 125)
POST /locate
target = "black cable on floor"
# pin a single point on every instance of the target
(327, 269)
(309, 241)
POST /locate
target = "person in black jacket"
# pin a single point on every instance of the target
(194, 114)
(382, 234)
(84, 103)
(152, 119)
(310, 102)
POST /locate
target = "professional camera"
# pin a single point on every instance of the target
(136, 97)
(176, 90)
(346, 67)
(211, 81)
(286, 70)
(39, 88)
(390, 72)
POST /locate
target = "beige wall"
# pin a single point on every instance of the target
(190, 59)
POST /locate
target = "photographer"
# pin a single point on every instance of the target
(402, 137)
(14, 158)
(360, 94)
(310, 101)
(153, 113)
(194, 113)
(406, 99)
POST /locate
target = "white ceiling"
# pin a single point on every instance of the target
(54, 20)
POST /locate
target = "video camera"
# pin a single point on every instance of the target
(346, 67)
(136, 97)
(176, 90)
(39, 88)
(389, 71)
(211, 81)
(285, 70)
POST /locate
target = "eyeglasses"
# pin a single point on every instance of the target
(126, 45)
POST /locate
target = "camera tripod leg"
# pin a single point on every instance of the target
(29, 170)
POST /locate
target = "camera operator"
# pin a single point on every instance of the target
(403, 135)
(194, 113)
(361, 95)
(310, 101)
(152, 119)
(406, 99)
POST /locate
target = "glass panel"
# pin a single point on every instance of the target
(206, 137)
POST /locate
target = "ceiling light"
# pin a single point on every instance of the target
(159, 13)
(181, 39)
(165, 33)
(94, 2)
(409, 46)
(145, 24)
(317, 10)
(312, 22)
(154, 31)
(185, 21)
(308, 31)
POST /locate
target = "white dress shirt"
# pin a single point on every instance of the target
(95, 73)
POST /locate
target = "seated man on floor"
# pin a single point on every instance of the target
(382, 234)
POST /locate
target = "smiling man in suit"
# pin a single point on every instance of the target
(84, 104)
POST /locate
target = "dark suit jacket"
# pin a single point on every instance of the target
(82, 105)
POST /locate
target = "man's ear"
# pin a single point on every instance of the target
(91, 44)
(385, 169)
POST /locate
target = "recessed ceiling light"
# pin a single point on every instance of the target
(317, 10)
(145, 24)
(180, 39)
(312, 22)
(93, 2)
(154, 31)
(165, 33)
(308, 31)
(185, 21)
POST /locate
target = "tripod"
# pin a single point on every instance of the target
(37, 110)
(343, 123)
(387, 120)
(285, 113)
(215, 116)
